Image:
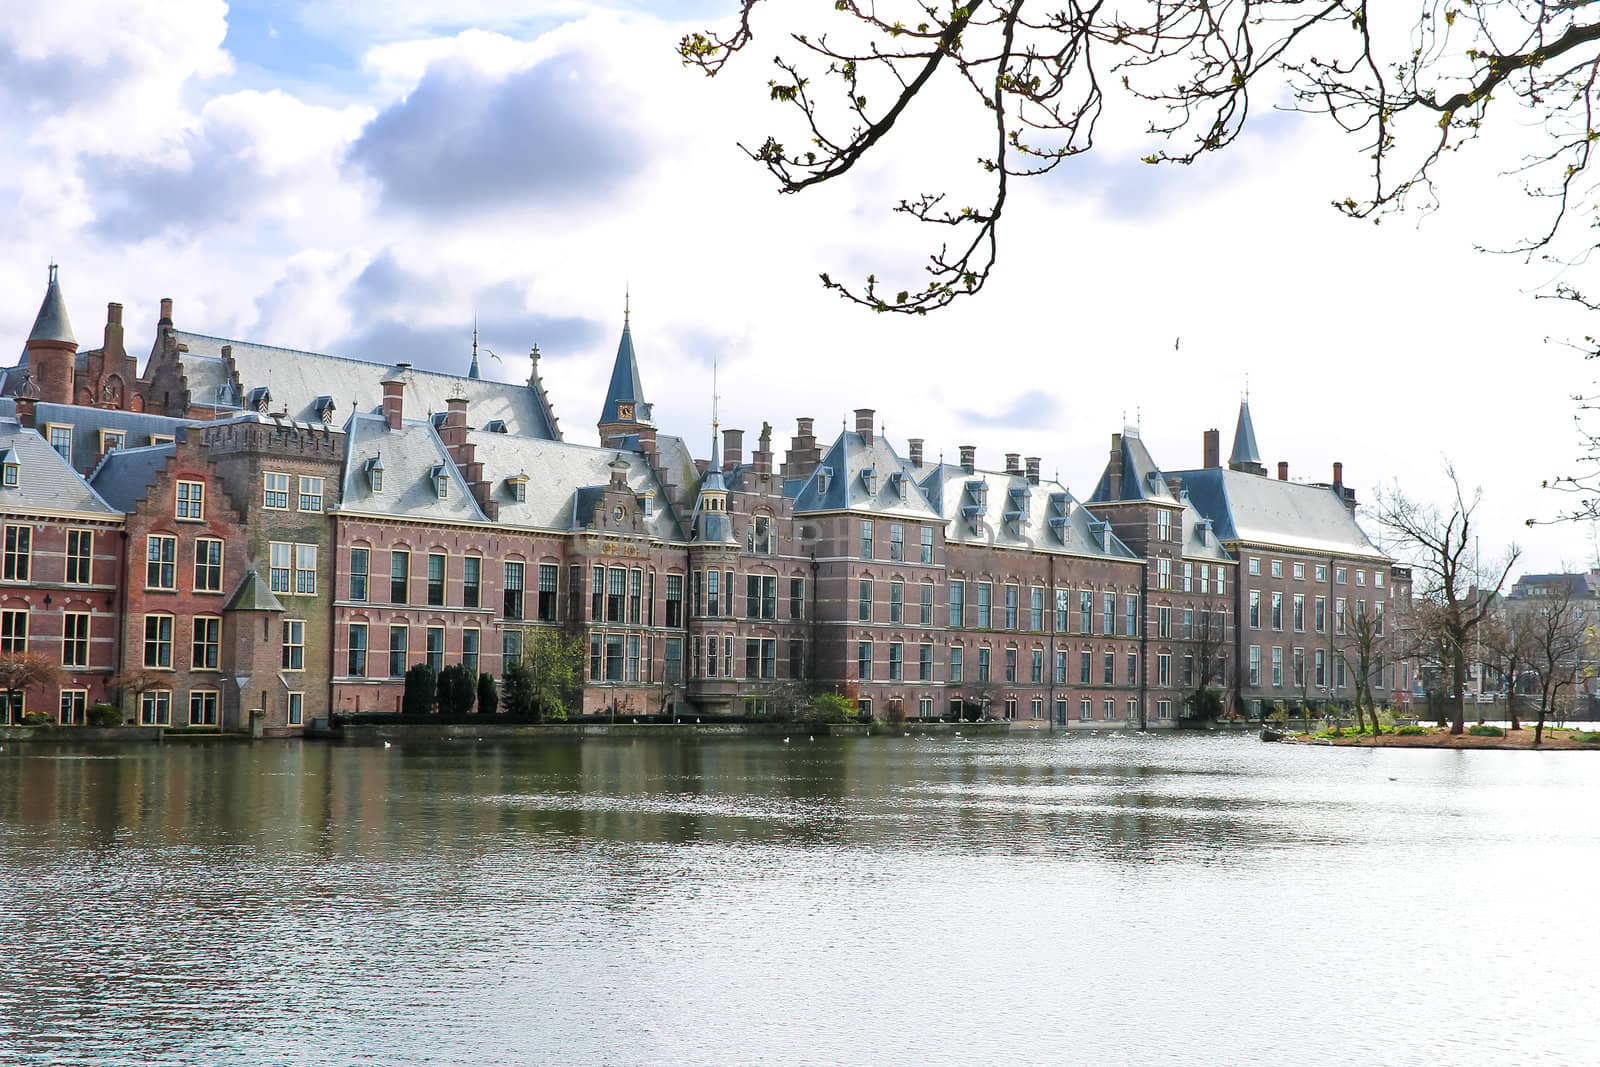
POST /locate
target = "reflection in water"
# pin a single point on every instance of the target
(910, 899)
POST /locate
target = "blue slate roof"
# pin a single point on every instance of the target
(625, 387)
(1268, 511)
(857, 475)
(123, 475)
(52, 324)
(46, 484)
(1141, 478)
(1244, 438)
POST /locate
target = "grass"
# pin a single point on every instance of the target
(1412, 731)
(1486, 731)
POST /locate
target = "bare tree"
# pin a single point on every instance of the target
(1204, 649)
(1360, 649)
(1558, 632)
(21, 671)
(1026, 84)
(1508, 638)
(1459, 598)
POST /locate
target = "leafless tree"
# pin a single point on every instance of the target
(21, 671)
(1028, 83)
(1444, 562)
(1558, 632)
(1509, 639)
(1204, 652)
(1360, 649)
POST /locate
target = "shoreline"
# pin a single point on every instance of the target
(1564, 739)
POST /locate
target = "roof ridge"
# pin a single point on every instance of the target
(330, 355)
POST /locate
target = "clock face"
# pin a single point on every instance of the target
(617, 513)
(625, 411)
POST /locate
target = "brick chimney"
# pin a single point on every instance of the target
(1013, 462)
(732, 448)
(394, 389)
(969, 458)
(864, 423)
(166, 312)
(1213, 449)
(915, 447)
(1283, 471)
(803, 455)
(1338, 476)
(1033, 470)
(761, 458)
(113, 336)
(27, 411)
(1114, 467)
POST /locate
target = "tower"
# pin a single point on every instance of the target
(626, 412)
(472, 371)
(1246, 456)
(51, 347)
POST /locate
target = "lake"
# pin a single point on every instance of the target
(892, 900)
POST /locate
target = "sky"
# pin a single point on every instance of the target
(366, 179)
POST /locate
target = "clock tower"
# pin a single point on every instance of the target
(626, 412)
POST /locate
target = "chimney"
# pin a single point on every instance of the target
(1338, 476)
(1114, 468)
(915, 445)
(803, 455)
(394, 388)
(1013, 462)
(27, 410)
(1213, 449)
(1283, 471)
(732, 448)
(454, 431)
(969, 458)
(166, 312)
(864, 423)
(1175, 487)
(1033, 470)
(761, 458)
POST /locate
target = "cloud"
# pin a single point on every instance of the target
(467, 140)
(1032, 409)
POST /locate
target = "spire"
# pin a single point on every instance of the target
(1245, 453)
(625, 403)
(52, 324)
(472, 372)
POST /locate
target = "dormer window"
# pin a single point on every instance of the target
(441, 481)
(824, 476)
(112, 439)
(518, 486)
(260, 399)
(374, 469)
(10, 470)
(869, 479)
(323, 406)
(495, 426)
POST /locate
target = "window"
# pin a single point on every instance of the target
(358, 574)
(111, 440)
(1339, 672)
(161, 561)
(280, 572)
(1205, 577)
(191, 501)
(434, 647)
(1298, 667)
(1133, 668)
(358, 650)
(1338, 616)
(294, 644)
(1222, 581)
(399, 577)
(925, 604)
(1255, 564)
(310, 493)
(927, 543)
(1130, 616)
(1277, 665)
(1322, 573)
(205, 641)
(1377, 579)
(1163, 573)
(436, 565)
(1255, 665)
(75, 639)
(471, 581)
(158, 641)
(636, 595)
(617, 591)
(1108, 668)
(512, 591)
(1361, 578)
(61, 441)
(1063, 610)
(11, 475)
(80, 556)
(207, 565)
(675, 600)
(1011, 665)
(74, 706)
(1339, 576)
(1188, 577)
(549, 574)
(375, 475)
(864, 600)
(510, 649)
(1108, 710)
(1108, 613)
(1277, 611)
(897, 602)
(1163, 670)
(674, 661)
(983, 664)
(985, 607)
(1163, 621)
(866, 538)
(958, 603)
(1299, 613)
(863, 659)
(155, 707)
(1036, 608)
(1163, 525)
(18, 553)
(958, 662)
(1277, 568)
(897, 542)
(1188, 624)
(1085, 667)
(1036, 667)
(203, 707)
(275, 491)
(14, 631)
(1321, 661)
(924, 663)
(1255, 609)
(305, 570)
(1083, 710)
(470, 639)
(297, 709)
(1320, 615)
(1085, 610)
(1011, 606)
(398, 636)
(1299, 572)
(897, 652)
(797, 598)
(713, 595)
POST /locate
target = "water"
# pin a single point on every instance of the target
(864, 900)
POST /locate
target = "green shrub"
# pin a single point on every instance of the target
(420, 690)
(1411, 731)
(1485, 731)
(519, 691)
(35, 718)
(1587, 738)
(832, 708)
(456, 690)
(104, 715)
(488, 695)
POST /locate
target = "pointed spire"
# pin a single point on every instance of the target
(52, 324)
(625, 403)
(1245, 452)
(472, 372)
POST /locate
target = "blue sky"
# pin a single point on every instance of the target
(366, 178)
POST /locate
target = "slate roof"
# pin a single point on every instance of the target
(253, 595)
(125, 473)
(1581, 586)
(1006, 511)
(564, 482)
(47, 484)
(297, 379)
(87, 422)
(840, 484)
(1141, 478)
(625, 385)
(413, 459)
(1268, 511)
(52, 324)
(1244, 438)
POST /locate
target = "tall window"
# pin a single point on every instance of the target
(469, 650)
(863, 660)
(897, 652)
(1277, 665)
(674, 661)
(397, 651)
(924, 663)
(510, 649)
(1085, 611)
(61, 441)
(436, 564)
(471, 581)
(1299, 615)
(985, 607)
(294, 644)
(866, 538)
(616, 592)
(275, 491)
(896, 602)
(435, 648)
(675, 600)
(158, 641)
(1255, 665)
(1163, 670)
(358, 573)
(636, 596)
(1036, 665)
(205, 643)
(14, 630)
(958, 603)
(513, 590)
(984, 664)
(1163, 525)
(18, 553)
(927, 544)
(864, 600)
(399, 578)
(1277, 611)
(75, 639)
(549, 575)
(958, 657)
(191, 501)
(1320, 615)
(1255, 609)
(80, 557)
(1011, 594)
(280, 570)
(155, 707)
(897, 542)
(1036, 608)
(305, 570)
(358, 650)
(207, 565)
(296, 709)
(1108, 613)
(161, 561)
(1130, 616)
(1063, 610)
(1163, 573)
(310, 493)
(925, 606)
(797, 598)
(713, 595)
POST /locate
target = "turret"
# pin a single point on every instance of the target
(51, 347)
(1245, 456)
(626, 412)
